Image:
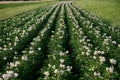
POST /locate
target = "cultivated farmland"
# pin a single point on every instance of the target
(58, 42)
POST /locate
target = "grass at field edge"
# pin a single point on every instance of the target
(9, 12)
(107, 10)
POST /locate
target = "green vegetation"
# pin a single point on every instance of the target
(9, 5)
(9, 10)
(58, 42)
(109, 10)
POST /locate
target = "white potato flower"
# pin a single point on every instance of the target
(118, 45)
(56, 71)
(94, 57)
(62, 60)
(15, 74)
(24, 57)
(46, 73)
(69, 68)
(102, 59)
(113, 61)
(11, 64)
(5, 76)
(62, 66)
(97, 74)
(110, 69)
(53, 66)
(61, 54)
(39, 49)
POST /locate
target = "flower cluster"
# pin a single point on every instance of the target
(57, 66)
(60, 42)
(94, 46)
(15, 39)
(31, 57)
(9, 75)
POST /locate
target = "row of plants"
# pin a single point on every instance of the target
(105, 51)
(32, 58)
(57, 65)
(19, 26)
(20, 19)
(114, 32)
(59, 42)
(20, 42)
(82, 56)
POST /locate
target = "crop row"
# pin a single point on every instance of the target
(57, 65)
(22, 39)
(33, 54)
(102, 52)
(19, 24)
(59, 42)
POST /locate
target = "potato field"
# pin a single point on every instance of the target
(58, 42)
